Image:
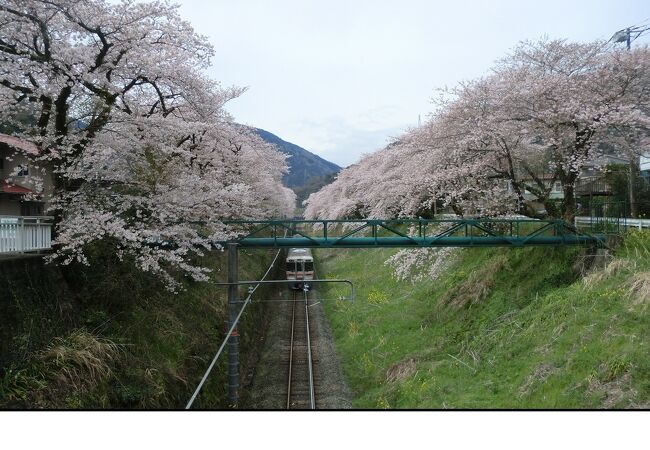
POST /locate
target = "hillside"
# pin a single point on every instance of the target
(501, 328)
(114, 337)
(314, 184)
(304, 166)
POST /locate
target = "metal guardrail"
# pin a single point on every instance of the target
(23, 234)
(618, 222)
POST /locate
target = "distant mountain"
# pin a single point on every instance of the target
(314, 184)
(307, 172)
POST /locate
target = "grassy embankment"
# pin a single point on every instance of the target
(113, 337)
(501, 328)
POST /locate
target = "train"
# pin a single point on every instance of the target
(300, 267)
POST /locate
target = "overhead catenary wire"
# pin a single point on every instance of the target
(229, 334)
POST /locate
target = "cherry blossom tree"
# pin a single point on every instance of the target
(545, 111)
(407, 177)
(569, 97)
(141, 148)
(538, 118)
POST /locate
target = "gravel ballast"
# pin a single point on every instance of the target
(267, 384)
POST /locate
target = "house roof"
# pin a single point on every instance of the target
(21, 144)
(9, 188)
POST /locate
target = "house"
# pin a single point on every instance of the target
(25, 186)
(555, 186)
(644, 164)
(592, 181)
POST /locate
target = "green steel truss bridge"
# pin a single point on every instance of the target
(416, 233)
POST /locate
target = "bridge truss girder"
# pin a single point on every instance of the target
(413, 233)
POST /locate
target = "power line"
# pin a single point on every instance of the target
(223, 344)
(630, 34)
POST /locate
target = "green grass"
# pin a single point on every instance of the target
(501, 328)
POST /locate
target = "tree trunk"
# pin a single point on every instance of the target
(634, 169)
(569, 201)
(457, 209)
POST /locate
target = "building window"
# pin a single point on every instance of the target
(23, 170)
(557, 186)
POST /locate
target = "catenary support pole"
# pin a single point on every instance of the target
(233, 342)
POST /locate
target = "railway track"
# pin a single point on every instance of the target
(301, 385)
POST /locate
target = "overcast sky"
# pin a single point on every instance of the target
(340, 77)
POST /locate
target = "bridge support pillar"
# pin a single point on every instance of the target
(233, 341)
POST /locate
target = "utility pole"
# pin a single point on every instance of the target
(626, 35)
(233, 339)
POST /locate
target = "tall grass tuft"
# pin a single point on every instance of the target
(615, 267)
(81, 359)
(639, 288)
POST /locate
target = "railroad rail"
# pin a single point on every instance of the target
(374, 233)
(300, 371)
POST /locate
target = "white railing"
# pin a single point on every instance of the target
(22, 234)
(624, 222)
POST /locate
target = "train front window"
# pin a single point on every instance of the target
(291, 266)
(309, 266)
